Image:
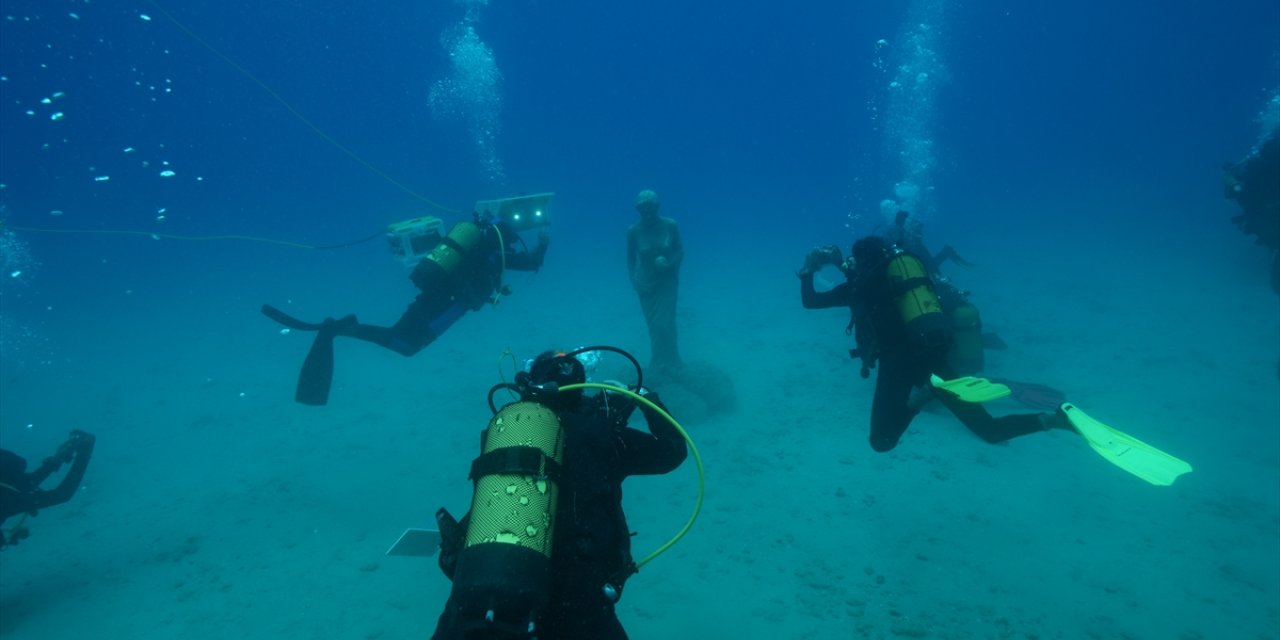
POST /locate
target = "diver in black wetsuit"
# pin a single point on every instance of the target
(591, 544)
(461, 274)
(966, 356)
(20, 492)
(1254, 183)
(899, 324)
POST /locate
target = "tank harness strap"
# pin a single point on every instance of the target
(525, 461)
(453, 244)
(903, 286)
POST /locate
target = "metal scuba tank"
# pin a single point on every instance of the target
(503, 574)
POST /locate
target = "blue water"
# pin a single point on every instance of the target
(1072, 150)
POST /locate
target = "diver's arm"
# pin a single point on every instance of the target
(82, 444)
(949, 253)
(657, 452)
(530, 260)
(810, 298)
(47, 468)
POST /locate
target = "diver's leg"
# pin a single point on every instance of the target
(891, 413)
(582, 616)
(991, 429)
(426, 318)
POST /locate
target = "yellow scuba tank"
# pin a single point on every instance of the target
(503, 573)
(966, 356)
(463, 238)
(916, 300)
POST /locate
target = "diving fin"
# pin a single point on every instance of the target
(971, 389)
(1125, 451)
(1036, 396)
(316, 376)
(288, 320)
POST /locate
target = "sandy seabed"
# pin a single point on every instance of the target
(215, 507)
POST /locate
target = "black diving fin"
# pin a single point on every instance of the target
(288, 320)
(316, 377)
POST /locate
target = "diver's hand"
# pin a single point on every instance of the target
(83, 440)
(540, 251)
(651, 396)
(821, 257)
(79, 442)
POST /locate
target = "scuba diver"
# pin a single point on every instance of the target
(654, 255)
(20, 492)
(900, 326)
(1254, 183)
(970, 342)
(545, 549)
(967, 355)
(461, 273)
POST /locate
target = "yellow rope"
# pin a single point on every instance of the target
(295, 112)
(160, 236)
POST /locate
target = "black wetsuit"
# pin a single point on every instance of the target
(1254, 183)
(592, 542)
(444, 298)
(20, 492)
(1256, 187)
(882, 336)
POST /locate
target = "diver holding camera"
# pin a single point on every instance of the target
(461, 272)
(545, 549)
(20, 492)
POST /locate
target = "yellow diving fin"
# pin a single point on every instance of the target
(1125, 451)
(971, 389)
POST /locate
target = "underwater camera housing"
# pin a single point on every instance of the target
(522, 213)
(411, 240)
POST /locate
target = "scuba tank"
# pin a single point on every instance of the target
(503, 574)
(456, 264)
(916, 301)
(440, 267)
(463, 238)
